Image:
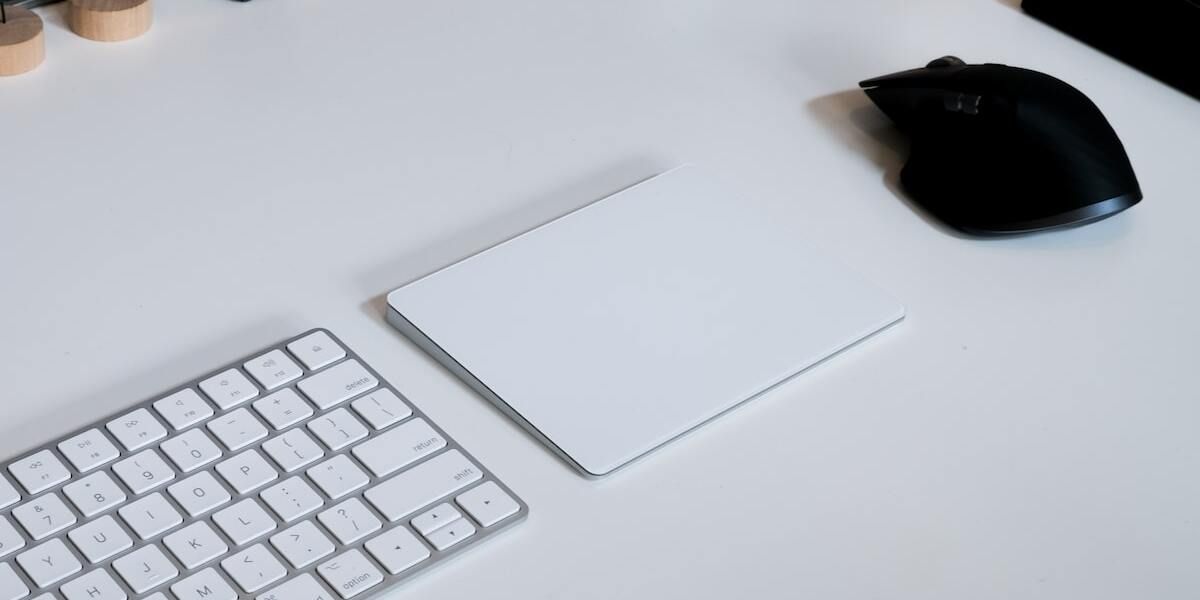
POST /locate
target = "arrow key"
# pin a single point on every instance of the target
(488, 504)
(451, 534)
(435, 518)
(397, 550)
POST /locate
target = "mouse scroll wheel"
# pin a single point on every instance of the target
(946, 61)
(967, 104)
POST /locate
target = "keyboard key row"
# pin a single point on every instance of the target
(245, 472)
(255, 568)
(194, 449)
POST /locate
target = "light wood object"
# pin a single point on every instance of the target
(22, 43)
(109, 20)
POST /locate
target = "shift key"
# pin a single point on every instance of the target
(423, 484)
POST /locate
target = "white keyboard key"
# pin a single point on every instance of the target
(96, 585)
(154, 596)
(397, 448)
(94, 494)
(350, 521)
(137, 429)
(144, 471)
(199, 493)
(316, 350)
(44, 516)
(397, 550)
(228, 389)
(89, 450)
(49, 563)
(244, 521)
(283, 408)
(293, 450)
(273, 369)
(302, 545)
(11, 540)
(237, 429)
(338, 384)
(381, 408)
(145, 568)
(434, 518)
(303, 587)
(195, 545)
(100, 539)
(8, 494)
(247, 471)
(191, 450)
(39, 472)
(451, 534)
(338, 476)
(184, 408)
(291, 499)
(338, 429)
(11, 586)
(488, 504)
(205, 585)
(421, 485)
(350, 574)
(150, 516)
(254, 568)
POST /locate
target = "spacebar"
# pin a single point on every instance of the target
(423, 484)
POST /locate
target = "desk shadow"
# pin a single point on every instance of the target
(853, 120)
(55, 14)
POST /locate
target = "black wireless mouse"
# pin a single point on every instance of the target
(999, 150)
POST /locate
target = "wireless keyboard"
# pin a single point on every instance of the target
(297, 473)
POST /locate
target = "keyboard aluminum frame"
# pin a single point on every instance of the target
(389, 583)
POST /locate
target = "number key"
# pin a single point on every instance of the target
(191, 450)
(45, 516)
(144, 471)
(94, 494)
(8, 494)
(10, 538)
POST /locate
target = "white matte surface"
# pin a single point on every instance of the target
(625, 324)
(246, 171)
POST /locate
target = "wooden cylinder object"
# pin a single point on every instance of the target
(109, 20)
(22, 43)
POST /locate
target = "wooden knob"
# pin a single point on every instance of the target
(22, 44)
(109, 20)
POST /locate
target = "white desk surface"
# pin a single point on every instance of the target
(249, 170)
